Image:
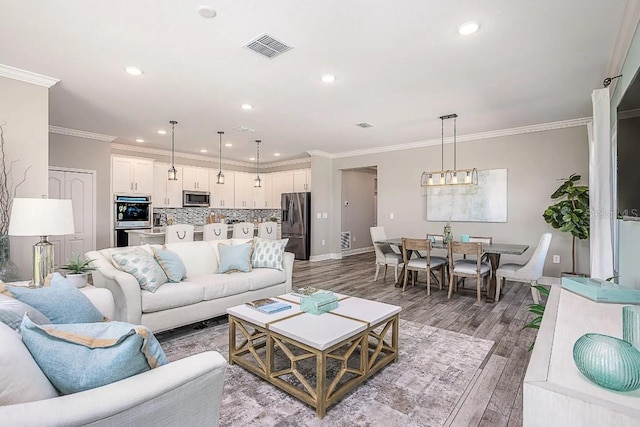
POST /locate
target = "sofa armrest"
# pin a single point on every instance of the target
(185, 392)
(287, 263)
(124, 287)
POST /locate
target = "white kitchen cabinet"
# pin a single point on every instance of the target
(260, 194)
(267, 183)
(282, 182)
(222, 195)
(244, 190)
(301, 180)
(131, 175)
(194, 178)
(166, 194)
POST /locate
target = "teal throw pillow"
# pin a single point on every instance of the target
(12, 311)
(61, 301)
(82, 356)
(141, 265)
(268, 253)
(170, 263)
(235, 258)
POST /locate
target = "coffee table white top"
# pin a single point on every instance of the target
(352, 316)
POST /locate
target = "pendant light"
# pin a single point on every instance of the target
(220, 174)
(257, 183)
(449, 177)
(173, 173)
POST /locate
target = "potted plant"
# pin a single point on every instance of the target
(571, 212)
(78, 270)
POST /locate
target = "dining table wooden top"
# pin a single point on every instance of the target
(493, 248)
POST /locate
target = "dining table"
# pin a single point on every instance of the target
(492, 251)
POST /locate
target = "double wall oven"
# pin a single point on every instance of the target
(131, 213)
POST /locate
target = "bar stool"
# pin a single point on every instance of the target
(179, 233)
(243, 230)
(215, 231)
(268, 230)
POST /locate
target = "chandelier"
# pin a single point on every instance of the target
(453, 176)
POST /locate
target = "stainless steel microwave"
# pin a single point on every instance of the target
(195, 198)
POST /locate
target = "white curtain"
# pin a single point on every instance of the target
(601, 189)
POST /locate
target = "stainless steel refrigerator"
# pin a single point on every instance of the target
(296, 223)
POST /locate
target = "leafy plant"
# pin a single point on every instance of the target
(538, 310)
(7, 187)
(571, 212)
(76, 265)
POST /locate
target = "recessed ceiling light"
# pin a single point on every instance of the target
(134, 71)
(468, 28)
(276, 154)
(207, 12)
(252, 158)
(328, 78)
(246, 106)
(139, 140)
(162, 132)
(228, 144)
(203, 151)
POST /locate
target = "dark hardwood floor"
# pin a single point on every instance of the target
(495, 398)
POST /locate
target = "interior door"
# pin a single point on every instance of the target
(57, 191)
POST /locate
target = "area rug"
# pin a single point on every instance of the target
(434, 368)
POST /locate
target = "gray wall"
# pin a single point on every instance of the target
(80, 153)
(321, 202)
(24, 114)
(358, 215)
(534, 161)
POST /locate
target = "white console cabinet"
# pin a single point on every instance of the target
(555, 393)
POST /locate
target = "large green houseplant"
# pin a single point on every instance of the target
(571, 212)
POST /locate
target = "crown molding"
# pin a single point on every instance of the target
(27, 76)
(628, 26)
(147, 150)
(80, 133)
(471, 137)
(286, 163)
(320, 153)
(629, 114)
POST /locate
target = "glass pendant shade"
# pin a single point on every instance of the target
(220, 178)
(172, 173)
(257, 183)
(220, 174)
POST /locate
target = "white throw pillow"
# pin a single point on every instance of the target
(268, 253)
(21, 380)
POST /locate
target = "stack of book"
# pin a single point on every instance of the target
(268, 305)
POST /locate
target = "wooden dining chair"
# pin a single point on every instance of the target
(426, 264)
(463, 268)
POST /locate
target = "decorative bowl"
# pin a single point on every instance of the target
(607, 361)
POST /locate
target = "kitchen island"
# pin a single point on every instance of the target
(155, 236)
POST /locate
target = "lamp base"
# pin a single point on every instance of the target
(42, 261)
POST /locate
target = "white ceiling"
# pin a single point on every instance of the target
(399, 66)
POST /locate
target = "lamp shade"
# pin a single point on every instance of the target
(41, 217)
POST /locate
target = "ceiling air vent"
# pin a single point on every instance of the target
(364, 125)
(267, 46)
(243, 129)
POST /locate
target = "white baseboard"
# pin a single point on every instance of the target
(357, 251)
(324, 257)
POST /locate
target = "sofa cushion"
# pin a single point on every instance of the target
(198, 257)
(61, 301)
(261, 278)
(172, 295)
(170, 263)
(235, 258)
(12, 311)
(82, 356)
(109, 252)
(222, 285)
(141, 265)
(21, 380)
(268, 253)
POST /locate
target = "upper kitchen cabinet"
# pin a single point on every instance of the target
(244, 190)
(166, 193)
(131, 175)
(281, 182)
(222, 195)
(301, 180)
(194, 178)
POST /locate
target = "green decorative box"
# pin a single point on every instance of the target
(319, 303)
(601, 291)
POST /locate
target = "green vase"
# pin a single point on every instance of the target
(8, 269)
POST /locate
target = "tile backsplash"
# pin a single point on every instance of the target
(198, 216)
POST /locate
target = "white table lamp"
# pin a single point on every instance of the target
(41, 217)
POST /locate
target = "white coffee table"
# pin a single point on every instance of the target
(336, 337)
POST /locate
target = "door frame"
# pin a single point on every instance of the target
(94, 202)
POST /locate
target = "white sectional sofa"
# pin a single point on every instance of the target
(203, 294)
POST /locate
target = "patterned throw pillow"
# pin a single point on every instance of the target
(82, 356)
(12, 311)
(141, 265)
(61, 302)
(235, 258)
(170, 263)
(268, 253)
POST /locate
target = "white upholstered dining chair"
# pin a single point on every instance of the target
(243, 230)
(178, 233)
(384, 254)
(268, 230)
(529, 273)
(215, 231)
